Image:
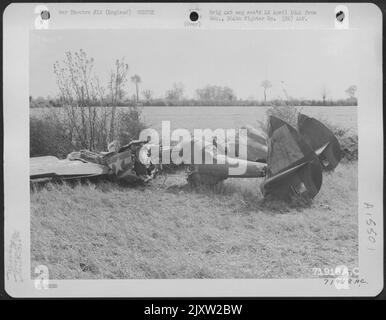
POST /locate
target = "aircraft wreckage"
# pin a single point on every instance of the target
(291, 160)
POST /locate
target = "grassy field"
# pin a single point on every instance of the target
(170, 230)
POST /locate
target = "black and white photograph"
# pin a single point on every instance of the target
(111, 211)
(197, 153)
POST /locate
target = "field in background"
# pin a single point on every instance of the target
(170, 230)
(235, 117)
(230, 117)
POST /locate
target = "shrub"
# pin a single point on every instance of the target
(286, 113)
(52, 134)
(129, 124)
(348, 140)
(48, 137)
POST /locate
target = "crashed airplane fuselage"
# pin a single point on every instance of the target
(291, 160)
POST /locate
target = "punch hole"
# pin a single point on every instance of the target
(45, 15)
(340, 16)
(193, 16)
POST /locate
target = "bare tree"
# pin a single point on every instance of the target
(118, 79)
(324, 94)
(266, 84)
(215, 93)
(136, 79)
(77, 87)
(351, 90)
(176, 92)
(147, 94)
(81, 95)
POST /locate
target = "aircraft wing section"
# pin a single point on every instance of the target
(40, 161)
(50, 167)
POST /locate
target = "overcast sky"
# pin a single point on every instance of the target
(307, 61)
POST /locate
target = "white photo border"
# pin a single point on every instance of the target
(19, 19)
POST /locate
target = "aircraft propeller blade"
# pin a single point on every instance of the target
(292, 165)
(321, 139)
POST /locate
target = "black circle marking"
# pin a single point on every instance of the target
(193, 16)
(45, 15)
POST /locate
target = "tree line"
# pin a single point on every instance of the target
(41, 102)
(77, 85)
